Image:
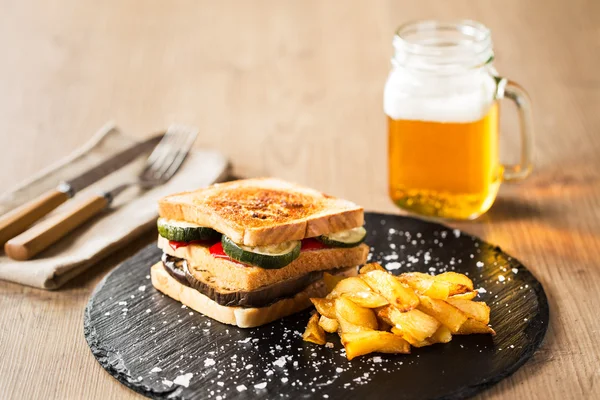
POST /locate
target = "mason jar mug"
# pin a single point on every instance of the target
(441, 101)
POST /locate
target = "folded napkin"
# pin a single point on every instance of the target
(132, 213)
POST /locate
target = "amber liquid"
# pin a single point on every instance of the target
(445, 170)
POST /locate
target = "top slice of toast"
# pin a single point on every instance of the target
(262, 211)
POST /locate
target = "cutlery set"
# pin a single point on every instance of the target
(23, 240)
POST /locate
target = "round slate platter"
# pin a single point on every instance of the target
(157, 347)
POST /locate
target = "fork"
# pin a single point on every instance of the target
(161, 165)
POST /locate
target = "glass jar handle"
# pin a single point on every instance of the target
(511, 90)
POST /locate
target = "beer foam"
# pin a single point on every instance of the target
(438, 99)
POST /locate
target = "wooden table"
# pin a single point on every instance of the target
(294, 89)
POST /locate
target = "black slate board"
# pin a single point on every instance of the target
(133, 331)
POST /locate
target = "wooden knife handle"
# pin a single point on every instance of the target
(40, 236)
(18, 220)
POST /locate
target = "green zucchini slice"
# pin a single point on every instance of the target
(180, 231)
(268, 257)
(349, 238)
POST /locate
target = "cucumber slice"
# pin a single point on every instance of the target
(350, 238)
(268, 257)
(180, 231)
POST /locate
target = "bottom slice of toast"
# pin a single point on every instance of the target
(240, 316)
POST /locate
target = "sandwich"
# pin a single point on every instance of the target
(252, 251)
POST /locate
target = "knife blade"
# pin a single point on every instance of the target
(108, 166)
(18, 220)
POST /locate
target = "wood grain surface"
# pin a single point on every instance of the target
(294, 89)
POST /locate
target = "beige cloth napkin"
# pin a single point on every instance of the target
(132, 212)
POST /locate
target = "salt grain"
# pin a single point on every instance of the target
(392, 266)
(241, 388)
(183, 380)
(155, 369)
(261, 385)
(209, 362)
(280, 362)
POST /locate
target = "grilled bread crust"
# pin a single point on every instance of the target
(242, 317)
(230, 275)
(263, 211)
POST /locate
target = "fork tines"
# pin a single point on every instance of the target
(169, 154)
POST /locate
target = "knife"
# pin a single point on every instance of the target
(18, 220)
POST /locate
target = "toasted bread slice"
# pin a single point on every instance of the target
(240, 316)
(231, 275)
(263, 211)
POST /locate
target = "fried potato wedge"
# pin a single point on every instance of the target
(324, 307)
(331, 280)
(353, 313)
(447, 314)
(472, 326)
(348, 327)
(328, 324)
(417, 280)
(360, 343)
(465, 296)
(371, 267)
(395, 292)
(426, 285)
(350, 285)
(442, 335)
(379, 312)
(477, 310)
(413, 323)
(456, 278)
(366, 299)
(411, 340)
(314, 333)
